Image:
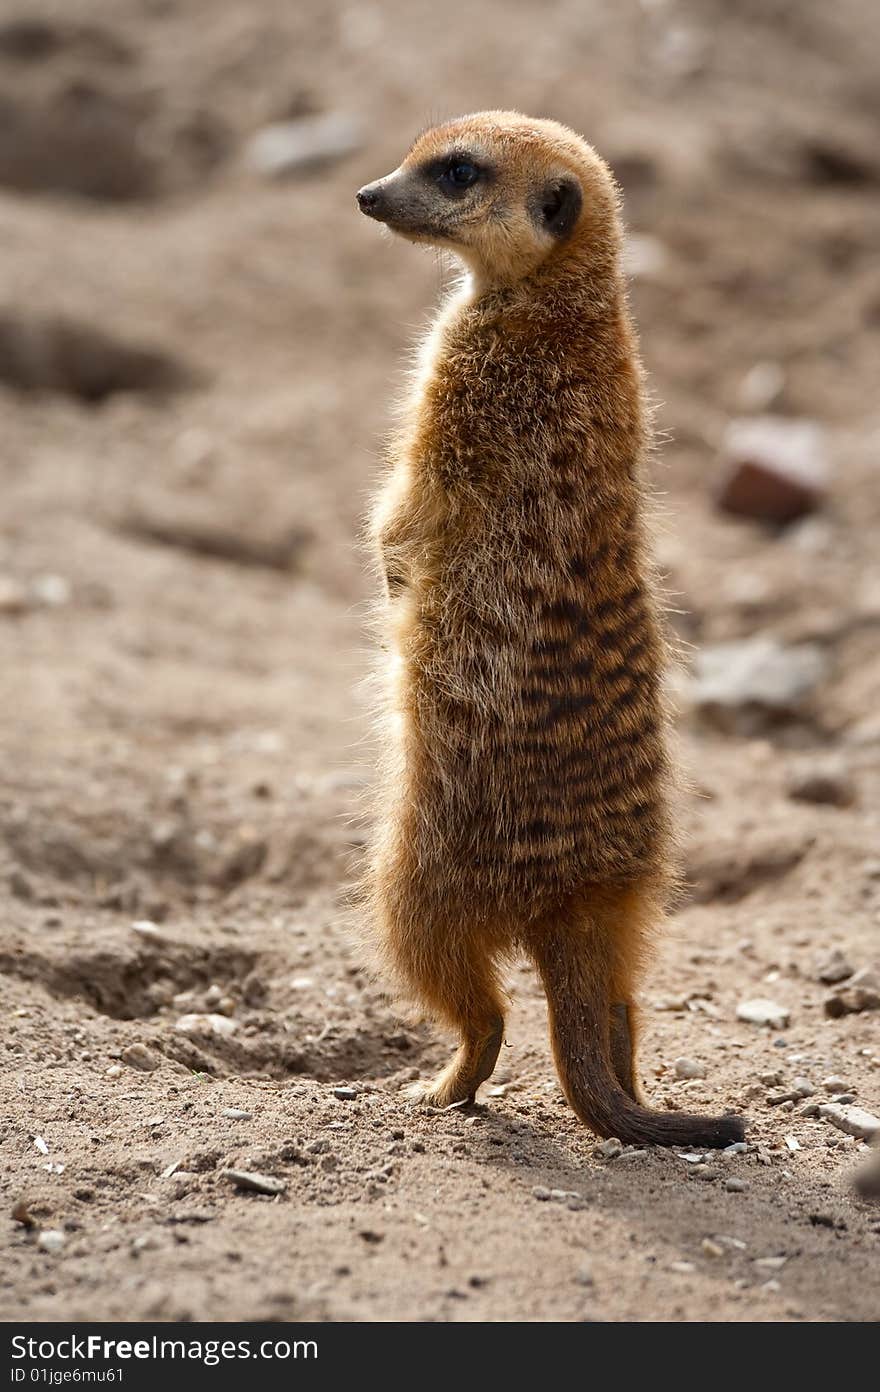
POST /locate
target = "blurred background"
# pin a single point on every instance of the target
(200, 342)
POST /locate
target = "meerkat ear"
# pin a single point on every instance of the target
(558, 207)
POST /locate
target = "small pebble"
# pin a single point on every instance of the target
(736, 1186)
(206, 1024)
(610, 1149)
(761, 1011)
(146, 928)
(584, 1276)
(689, 1068)
(825, 785)
(540, 1192)
(345, 1094)
(257, 1183)
(710, 1248)
(287, 147)
(705, 1172)
(834, 1084)
(139, 1056)
(51, 1240)
(235, 1114)
(833, 967)
(114, 1071)
(855, 1121)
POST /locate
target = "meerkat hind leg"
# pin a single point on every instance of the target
(472, 1064)
(460, 989)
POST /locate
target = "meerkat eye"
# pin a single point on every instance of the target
(458, 175)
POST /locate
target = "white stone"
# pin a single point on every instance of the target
(288, 147)
(52, 1240)
(760, 1011)
(855, 1121)
(206, 1024)
(689, 1068)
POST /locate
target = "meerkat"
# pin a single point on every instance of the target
(526, 805)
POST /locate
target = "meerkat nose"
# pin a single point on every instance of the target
(369, 198)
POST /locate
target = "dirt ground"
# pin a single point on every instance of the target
(183, 641)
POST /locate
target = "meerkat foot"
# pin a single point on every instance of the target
(471, 1066)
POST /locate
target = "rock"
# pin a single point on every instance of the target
(147, 929)
(610, 1149)
(736, 1186)
(13, 597)
(689, 1068)
(584, 1275)
(742, 686)
(51, 1240)
(52, 590)
(865, 979)
(842, 161)
(540, 1192)
(855, 1121)
(114, 1071)
(206, 1024)
(773, 469)
(867, 1177)
(670, 1003)
(833, 1083)
(710, 1248)
(22, 1214)
(862, 992)
(828, 785)
(292, 147)
(780, 1096)
(803, 1087)
(256, 1183)
(833, 967)
(345, 1094)
(760, 1011)
(139, 1056)
(761, 386)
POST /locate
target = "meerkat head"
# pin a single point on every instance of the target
(504, 192)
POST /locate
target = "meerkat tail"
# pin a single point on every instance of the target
(575, 954)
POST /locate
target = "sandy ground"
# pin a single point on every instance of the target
(183, 640)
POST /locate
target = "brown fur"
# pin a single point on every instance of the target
(527, 791)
